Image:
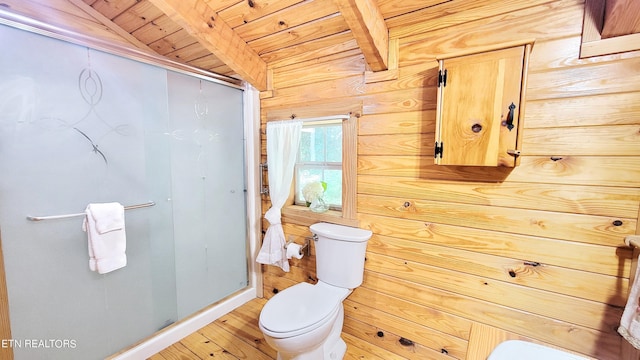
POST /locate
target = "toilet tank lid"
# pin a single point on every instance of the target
(341, 232)
(524, 350)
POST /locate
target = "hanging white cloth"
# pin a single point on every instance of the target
(283, 140)
(630, 322)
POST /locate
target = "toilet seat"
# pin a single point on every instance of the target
(301, 309)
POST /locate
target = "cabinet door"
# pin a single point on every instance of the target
(474, 126)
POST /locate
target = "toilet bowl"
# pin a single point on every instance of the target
(524, 350)
(304, 321)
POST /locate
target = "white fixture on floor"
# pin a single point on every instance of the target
(524, 350)
(304, 322)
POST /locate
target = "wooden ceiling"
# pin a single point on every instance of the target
(243, 38)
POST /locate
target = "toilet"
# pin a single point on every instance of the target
(304, 321)
(524, 350)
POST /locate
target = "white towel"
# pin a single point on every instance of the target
(630, 321)
(107, 242)
(272, 251)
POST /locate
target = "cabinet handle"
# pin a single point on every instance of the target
(510, 117)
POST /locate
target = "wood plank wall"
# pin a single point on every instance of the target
(461, 253)
(536, 251)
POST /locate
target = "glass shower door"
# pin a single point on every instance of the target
(79, 126)
(208, 193)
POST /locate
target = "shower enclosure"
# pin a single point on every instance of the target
(80, 126)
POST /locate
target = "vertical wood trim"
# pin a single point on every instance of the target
(5, 325)
(392, 72)
(349, 167)
(269, 79)
(593, 20)
(493, 143)
(394, 53)
(523, 97)
(268, 93)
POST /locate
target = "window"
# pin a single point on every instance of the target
(328, 148)
(320, 159)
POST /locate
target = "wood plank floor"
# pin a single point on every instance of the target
(237, 336)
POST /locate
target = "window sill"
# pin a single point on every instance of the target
(302, 215)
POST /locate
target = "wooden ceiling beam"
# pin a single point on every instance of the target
(369, 29)
(204, 24)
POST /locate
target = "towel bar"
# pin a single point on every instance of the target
(53, 217)
(632, 240)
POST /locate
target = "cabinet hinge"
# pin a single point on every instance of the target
(438, 150)
(442, 78)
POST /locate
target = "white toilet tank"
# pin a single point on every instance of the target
(524, 350)
(340, 252)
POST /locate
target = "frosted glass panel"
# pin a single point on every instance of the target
(79, 126)
(207, 152)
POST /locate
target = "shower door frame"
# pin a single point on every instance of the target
(6, 353)
(251, 119)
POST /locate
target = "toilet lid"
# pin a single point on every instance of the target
(301, 306)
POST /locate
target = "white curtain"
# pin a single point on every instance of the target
(283, 140)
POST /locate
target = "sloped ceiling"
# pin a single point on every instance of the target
(243, 38)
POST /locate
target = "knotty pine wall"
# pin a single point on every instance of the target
(457, 252)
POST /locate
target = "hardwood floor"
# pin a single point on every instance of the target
(233, 336)
(237, 336)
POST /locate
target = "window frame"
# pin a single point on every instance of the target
(301, 215)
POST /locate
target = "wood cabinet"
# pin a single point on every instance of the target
(480, 107)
